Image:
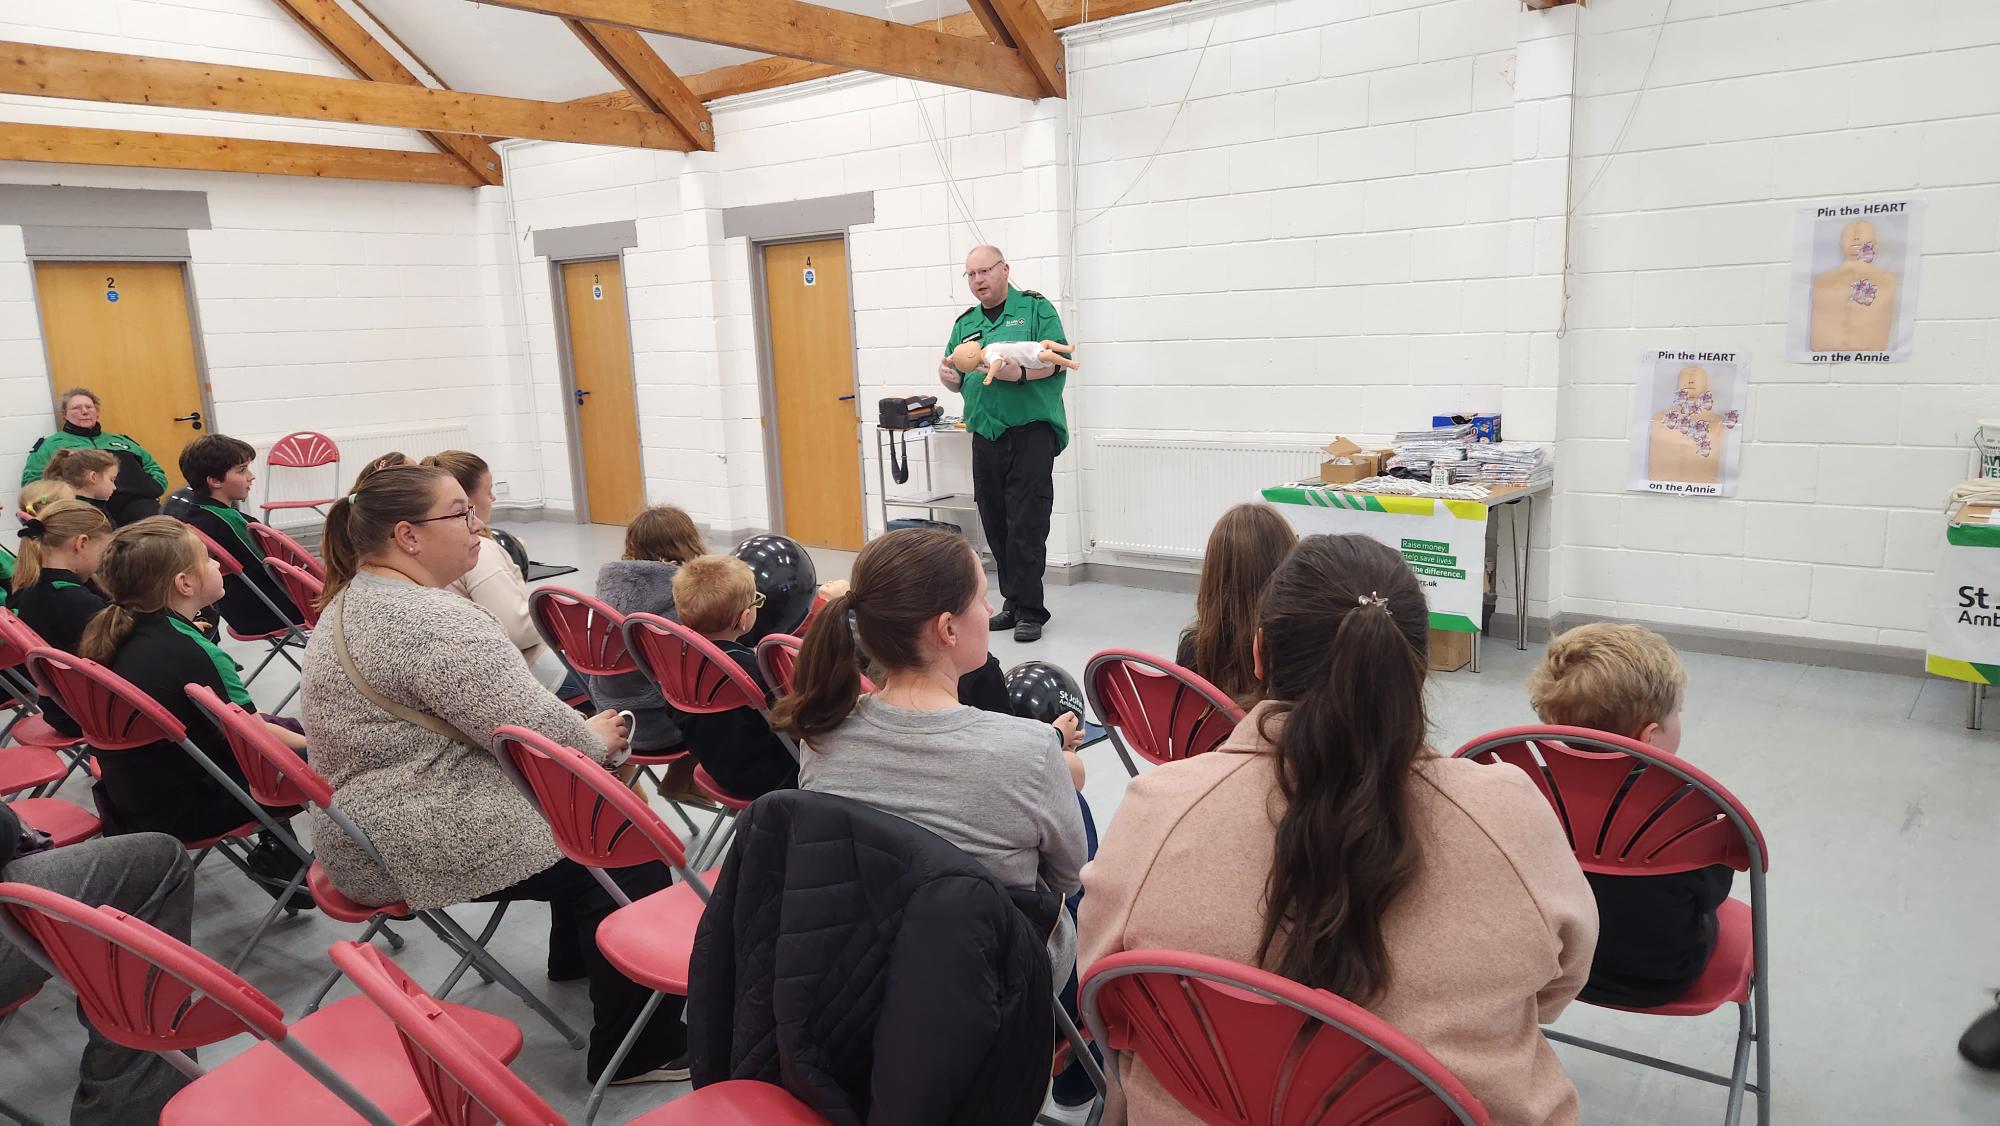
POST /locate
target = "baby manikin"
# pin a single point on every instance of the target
(1032, 355)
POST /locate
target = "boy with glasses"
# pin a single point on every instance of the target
(717, 597)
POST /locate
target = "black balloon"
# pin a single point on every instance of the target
(179, 504)
(1039, 690)
(787, 579)
(515, 549)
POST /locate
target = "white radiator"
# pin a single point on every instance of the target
(1161, 497)
(357, 448)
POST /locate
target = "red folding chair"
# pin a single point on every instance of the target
(303, 450)
(278, 639)
(300, 585)
(1237, 1046)
(146, 990)
(117, 718)
(278, 776)
(698, 678)
(27, 726)
(600, 823)
(277, 545)
(778, 659)
(467, 1086)
(1631, 810)
(588, 636)
(1167, 712)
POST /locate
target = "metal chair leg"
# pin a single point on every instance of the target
(511, 983)
(281, 903)
(485, 936)
(597, 1089)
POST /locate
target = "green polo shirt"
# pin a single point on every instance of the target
(992, 409)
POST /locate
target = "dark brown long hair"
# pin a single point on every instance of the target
(1245, 548)
(361, 522)
(1345, 633)
(902, 581)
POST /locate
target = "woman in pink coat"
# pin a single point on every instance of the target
(1327, 842)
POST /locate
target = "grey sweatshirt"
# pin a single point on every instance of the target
(994, 785)
(638, 586)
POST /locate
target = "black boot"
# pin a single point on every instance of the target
(272, 865)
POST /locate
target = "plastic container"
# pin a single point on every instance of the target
(1987, 441)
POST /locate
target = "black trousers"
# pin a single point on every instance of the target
(577, 903)
(1013, 483)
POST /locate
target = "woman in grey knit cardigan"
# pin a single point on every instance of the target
(450, 825)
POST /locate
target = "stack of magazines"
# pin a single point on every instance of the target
(1417, 450)
(1512, 463)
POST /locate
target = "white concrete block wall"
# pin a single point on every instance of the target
(1685, 240)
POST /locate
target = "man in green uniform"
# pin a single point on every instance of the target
(1018, 428)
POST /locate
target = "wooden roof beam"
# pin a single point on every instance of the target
(639, 68)
(1022, 25)
(817, 35)
(64, 144)
(344, 37)
(102, 76)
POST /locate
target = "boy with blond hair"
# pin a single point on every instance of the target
(1655, 933)
(716, 596)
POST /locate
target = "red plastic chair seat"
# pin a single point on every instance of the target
(24, 768)
(666, 758)
(713, 789)
(354, 1039)
(276, 505)
(652, 940)
(34, 731)
(335, 905)
(67, 822)
(1726, 978)
(737, 1102)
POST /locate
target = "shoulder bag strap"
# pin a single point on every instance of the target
(409, 715)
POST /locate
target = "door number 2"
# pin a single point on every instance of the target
(111, 290)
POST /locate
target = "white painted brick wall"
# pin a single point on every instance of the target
(1686, 240)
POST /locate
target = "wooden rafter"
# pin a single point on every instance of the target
(101, 76)
(343, 36)
(815, 34)
(64, 144)
(639, 68)
(774, 71)
(1022, 25)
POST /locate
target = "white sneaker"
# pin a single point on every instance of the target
(673, 1071)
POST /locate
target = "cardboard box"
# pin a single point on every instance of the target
(1450, 650)
(1347, 463)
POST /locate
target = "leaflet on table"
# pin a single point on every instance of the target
(1854, 281)
(1686, 427)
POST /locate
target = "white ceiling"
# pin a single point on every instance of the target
(490, 50)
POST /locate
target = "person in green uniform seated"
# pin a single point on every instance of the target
(53, 594)
(159, 576)
(1018, 427)
(217, 469)
(6, 573)
(140, 478)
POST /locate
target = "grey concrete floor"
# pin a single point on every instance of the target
(1879, 806)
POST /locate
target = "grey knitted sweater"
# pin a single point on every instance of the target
(444, 816)
(635, 586)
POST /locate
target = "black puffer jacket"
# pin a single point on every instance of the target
(872, 969)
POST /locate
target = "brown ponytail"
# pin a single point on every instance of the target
(390, 460)
(360, 523)
(663, 534)
(1345, 632)
(72, 466)
(54, 524)
(1246, 547)
(138, 572)
(902, 581)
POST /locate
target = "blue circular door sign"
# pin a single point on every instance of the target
(111, 295)
(597, 293)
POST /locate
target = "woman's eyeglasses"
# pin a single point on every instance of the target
(465, 515)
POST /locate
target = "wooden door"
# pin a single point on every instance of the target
(606, 406)
(122, 330)
(812, 375)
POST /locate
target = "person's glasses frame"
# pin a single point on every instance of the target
(976, 275)
(466, 516)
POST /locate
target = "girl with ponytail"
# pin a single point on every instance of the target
(91, 474)
(53, 593)
(1326, 841)
(159, 576)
